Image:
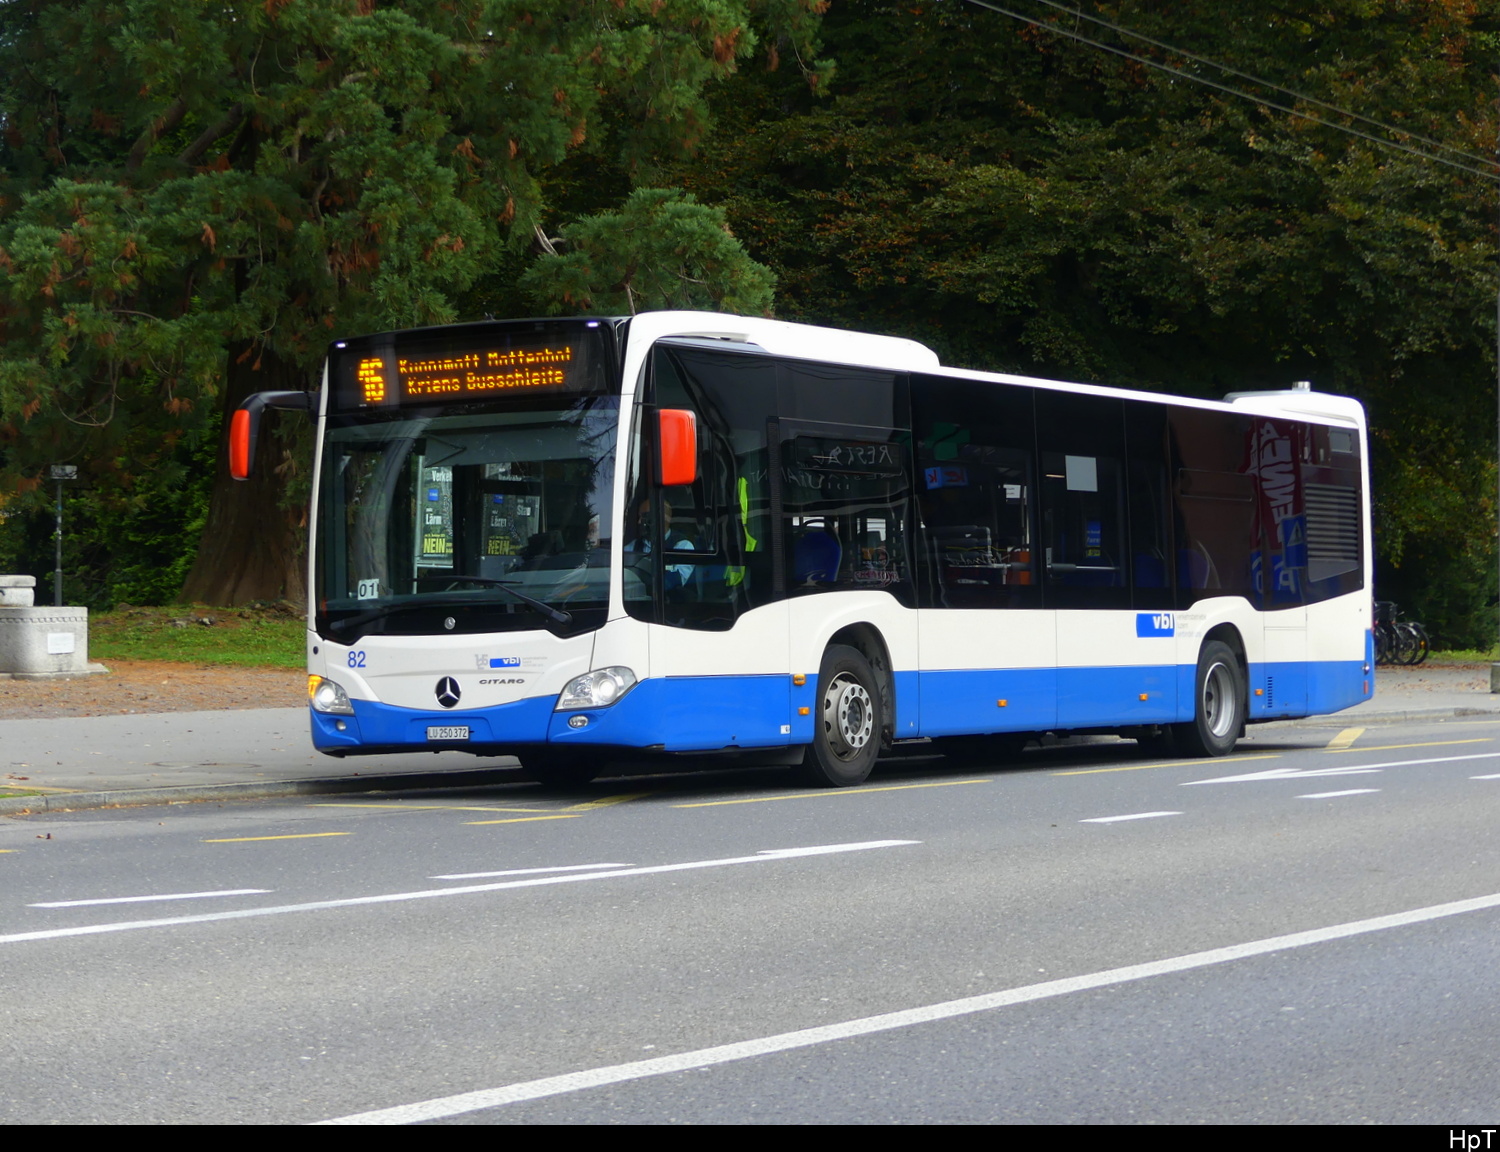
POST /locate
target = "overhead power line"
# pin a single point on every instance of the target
(1486, 173)
(1292, 92)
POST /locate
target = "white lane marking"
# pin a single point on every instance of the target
(148, 899)
(1492, 776)
(1133, 816)
(1285, 774)
(526, 871)
(445, 1106)
(433, 893)
(1330, 795)
(1351, 770)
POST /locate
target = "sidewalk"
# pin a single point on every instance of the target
(157, 758)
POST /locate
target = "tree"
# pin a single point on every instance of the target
(661, 250)
(1020, 201)
(194, 200)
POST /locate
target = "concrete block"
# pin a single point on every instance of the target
(37, 643)
(17, 591)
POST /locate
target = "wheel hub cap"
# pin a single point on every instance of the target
(1218, 706)
(848, 716)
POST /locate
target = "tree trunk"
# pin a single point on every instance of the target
(253, 545)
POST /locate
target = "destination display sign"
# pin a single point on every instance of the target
(527, 361)
(484, 372)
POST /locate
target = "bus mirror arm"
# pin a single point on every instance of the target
(244, 427)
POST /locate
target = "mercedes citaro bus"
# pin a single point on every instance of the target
(576, 540)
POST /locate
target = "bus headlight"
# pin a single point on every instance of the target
(598, 689)
(326, 696)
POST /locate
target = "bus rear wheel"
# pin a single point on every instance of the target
(1219, 704)
(847, 722)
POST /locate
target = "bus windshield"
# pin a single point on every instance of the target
(467, 518)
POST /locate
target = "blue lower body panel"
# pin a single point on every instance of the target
(957, 703)
(675, 714)
(694, 714)
(710, 713)
(382, 727)
(1315, 688)
(1128, 696)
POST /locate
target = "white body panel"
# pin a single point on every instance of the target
(404, 670)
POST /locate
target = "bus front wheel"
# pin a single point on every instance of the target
(847, 721)
(1219, 704)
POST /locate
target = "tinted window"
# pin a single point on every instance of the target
(703, 551)
(1148, 479)
(976, 489)
(1085, 558)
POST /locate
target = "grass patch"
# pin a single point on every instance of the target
(1463, 656)
(258, 636)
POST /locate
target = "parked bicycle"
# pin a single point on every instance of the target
(1398, 641)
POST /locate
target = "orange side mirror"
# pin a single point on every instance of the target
(677, 433)
(241, 444)
(244, 425)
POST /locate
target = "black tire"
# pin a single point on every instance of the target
(1219, 704)
(847, 721)
(1424, 644)
(561, 768)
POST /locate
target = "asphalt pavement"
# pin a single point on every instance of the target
(105, 761)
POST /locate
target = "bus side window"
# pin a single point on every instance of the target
(846, 498)
(713, 536)
(1220, 540)
(976, 489)
(1083, 500)
(1149, 505)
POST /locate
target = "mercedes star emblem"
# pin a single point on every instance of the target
(447, 692)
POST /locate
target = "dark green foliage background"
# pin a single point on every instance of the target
(926, 168)
(128, 542)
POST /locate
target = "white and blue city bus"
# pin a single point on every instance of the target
(577, 540)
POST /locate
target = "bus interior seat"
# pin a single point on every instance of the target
(816, 557)
(1150, 570)
(1195, 569)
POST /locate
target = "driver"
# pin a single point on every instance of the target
(676, 575)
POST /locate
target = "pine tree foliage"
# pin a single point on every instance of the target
(195, 198)
(1021, 201)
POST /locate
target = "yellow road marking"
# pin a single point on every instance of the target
(398, 807)
(526, 819)
(605, 802)
(22, 786)
(293, 836)
(1167, 764)
(817, 795)
(1344, 739)
(5, 850)
(1429, 744)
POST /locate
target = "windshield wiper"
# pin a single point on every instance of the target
(556, 615)
(443, 599)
